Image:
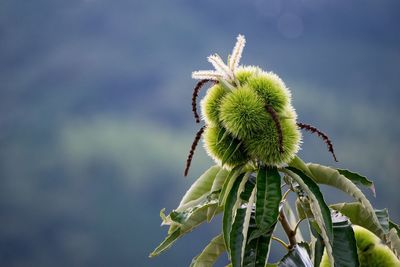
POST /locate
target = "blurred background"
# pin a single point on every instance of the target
(96, 122)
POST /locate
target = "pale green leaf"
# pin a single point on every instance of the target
(184, 222)
(395, 226)
(210, 254)
(229, 181)
(217, 186)
(393, 241)
(219, 180)
(358, 179)
(201, 187)
(167, 243)
(329, 176)
(360, 216)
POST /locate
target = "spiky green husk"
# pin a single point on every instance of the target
(243, 113)
(365, 239)
(265, 146)
(211, 103)
(371, 253)
(378, 256)
(370, 250)
(271, 88)
(267, 85)
(243, 73)
(217, 142)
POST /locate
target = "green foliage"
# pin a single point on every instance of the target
(210, 253)
(201, 187)
(370, 251)
(344, 242)
(252, 134)
(318, 207)
(298, 256)
(269, 196)
(256, 250)
(231, 206)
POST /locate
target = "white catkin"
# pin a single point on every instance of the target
(206, 74)
(237, 52)
(220, 66)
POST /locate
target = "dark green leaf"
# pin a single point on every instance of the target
(358, 179)
(240, 228)
(248, 188)
(229, 210)
(257, 249)
(236, 238)
(297, 257)
(344, 242)
(318, 246)
(269, 196)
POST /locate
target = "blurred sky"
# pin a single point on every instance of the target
(95, 116)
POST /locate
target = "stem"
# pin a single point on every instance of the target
(297, 225)
(288, 230)
(281, 242)
(286, 194)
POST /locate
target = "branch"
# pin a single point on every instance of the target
(288, 230)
